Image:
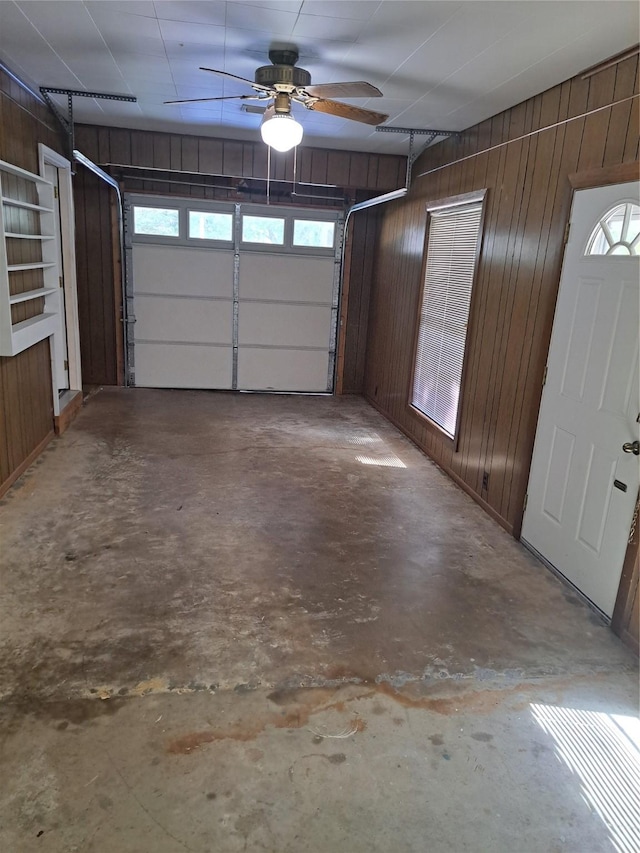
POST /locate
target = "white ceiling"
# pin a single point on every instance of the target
(439, 64)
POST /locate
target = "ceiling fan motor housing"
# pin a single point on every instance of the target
(283, 78)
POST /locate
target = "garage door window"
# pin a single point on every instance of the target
(263, 229)
(313, 234)
(159, 221)
(206, 225)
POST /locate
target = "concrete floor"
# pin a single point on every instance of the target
(267, 623)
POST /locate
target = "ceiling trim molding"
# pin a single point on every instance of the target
(613, 60)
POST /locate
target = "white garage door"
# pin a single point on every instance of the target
(232, 296)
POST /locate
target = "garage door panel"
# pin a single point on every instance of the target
(284, 325)
(183, 366)
(161, 318)
(282, 370)
(209, 314)
(307, 279)
(182, 270)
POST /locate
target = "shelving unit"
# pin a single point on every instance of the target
(16, 337)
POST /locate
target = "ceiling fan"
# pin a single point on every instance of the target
(281, 83)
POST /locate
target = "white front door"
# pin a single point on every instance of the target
(583, 485)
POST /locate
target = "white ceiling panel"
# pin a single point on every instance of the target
(194, 53)
(122, 110)
(450, 64)
(47, 70)
(153, 93)
(434, 61)
(121, 24)
(211, 12)
(293, 6)
(129, 7)
(141, 66)
(328, 29)
(181, 31)
(51, 21)
(354, 9)
(272, 21)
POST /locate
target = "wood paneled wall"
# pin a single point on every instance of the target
(97, 294)
(208, 156)
(26, 405)
(626, 615)
(350, 172)
(527, 207)
(362, 237)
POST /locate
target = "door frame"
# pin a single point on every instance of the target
(592, 179)
(47, 156)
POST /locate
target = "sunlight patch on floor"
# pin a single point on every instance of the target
(603, 752)
(389, 460)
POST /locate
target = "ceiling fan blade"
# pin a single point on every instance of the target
(255, 85)
(223, 98)
(358, 89)
(335, 108)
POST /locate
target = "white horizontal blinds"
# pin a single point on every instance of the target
(451, 256)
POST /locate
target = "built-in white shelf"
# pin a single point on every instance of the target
(19, 172)
(15, 202)
(16, 337)
(34, 329)
(15, 236)
(28, 295)
(38, 265)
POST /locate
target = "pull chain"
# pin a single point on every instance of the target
(295, 168)
(268, 174)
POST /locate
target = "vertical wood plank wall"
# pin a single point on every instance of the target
(351, 171)
(626, 615)
(362, 238)
(26, 405)
(514, 296)
(95, 276)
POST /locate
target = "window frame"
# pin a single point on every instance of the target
(138, 235)
(290, 216)
(208, 241)
(258, 246)
(297, 247)
(587, 253)
(462, 200)
(237, 210)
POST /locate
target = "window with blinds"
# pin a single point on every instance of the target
(452, 248)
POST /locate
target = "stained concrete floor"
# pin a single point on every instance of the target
(269, 623)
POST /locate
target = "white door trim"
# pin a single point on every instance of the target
(47, 155)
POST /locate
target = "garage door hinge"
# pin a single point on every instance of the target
(66, 365)
(55, 192)
(526, 501)
(544, 375)
(567, 228)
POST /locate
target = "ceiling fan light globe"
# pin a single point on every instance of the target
(281, 131)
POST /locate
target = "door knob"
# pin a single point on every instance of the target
(632, 447)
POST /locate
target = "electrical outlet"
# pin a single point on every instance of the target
(485, 481)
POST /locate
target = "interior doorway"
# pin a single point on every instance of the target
(65, 349)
